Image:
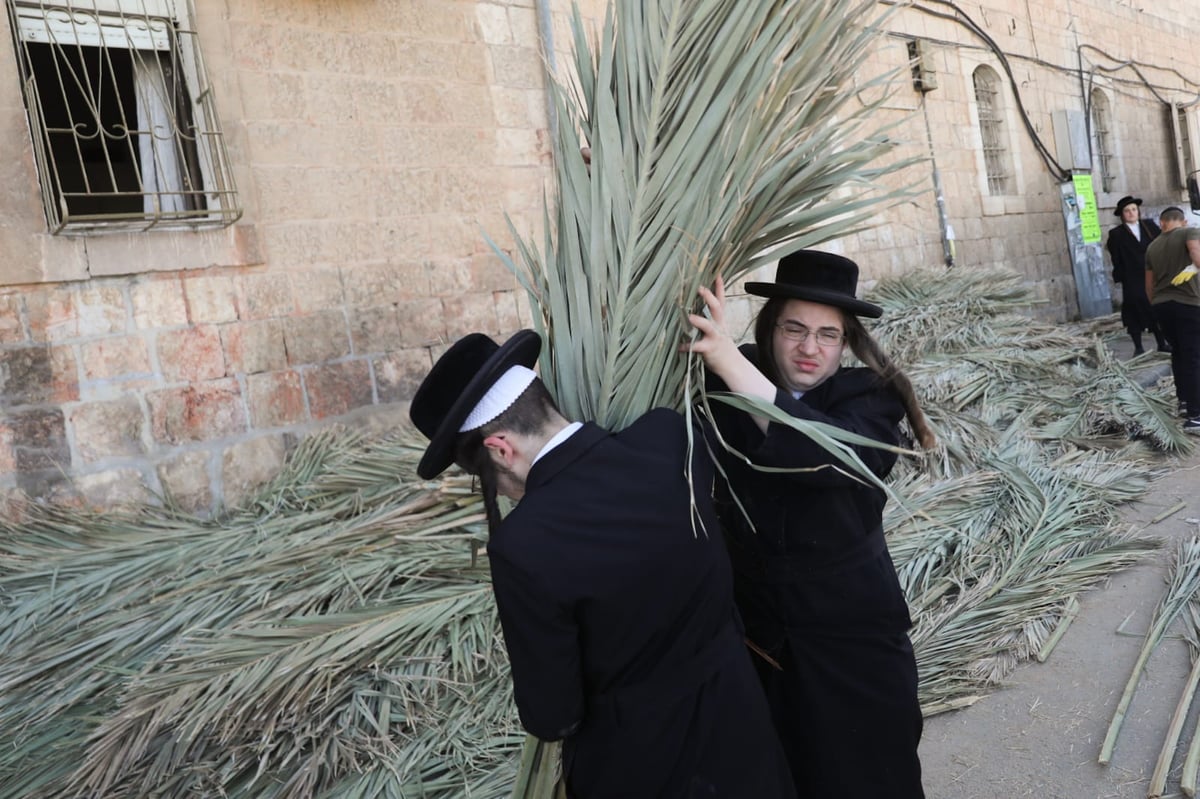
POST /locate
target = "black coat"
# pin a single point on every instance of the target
(1129, 269)
(819, 593)
(620, 624)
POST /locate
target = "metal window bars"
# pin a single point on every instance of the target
(991, 129)
(1102, 128)
(125, 133)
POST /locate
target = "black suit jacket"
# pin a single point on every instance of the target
(818, 591)
(1129, 254)
(811, 555)
(1129, 269)
(615, 597)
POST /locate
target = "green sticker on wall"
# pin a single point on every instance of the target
(1089, 215)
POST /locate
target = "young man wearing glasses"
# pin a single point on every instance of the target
(812, 575)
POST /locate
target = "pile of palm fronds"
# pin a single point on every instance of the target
(337, 638)
(1043, 435)
(987, 370)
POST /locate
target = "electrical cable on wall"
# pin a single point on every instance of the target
(965, 20)
(1134, 65)
(960, 16)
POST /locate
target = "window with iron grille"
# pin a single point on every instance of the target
(996, 157)
(125, 134)
(1102, 135)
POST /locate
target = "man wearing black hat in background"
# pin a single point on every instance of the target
(612, 584)
(1127, 243)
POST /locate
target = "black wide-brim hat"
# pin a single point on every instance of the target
(1124, 201)
(455, 385)
(817, 276)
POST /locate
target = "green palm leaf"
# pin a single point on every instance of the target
(720, 134)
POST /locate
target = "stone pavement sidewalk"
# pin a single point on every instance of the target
(1040, 734)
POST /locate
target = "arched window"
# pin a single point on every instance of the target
(996, 157)
(1102, 138)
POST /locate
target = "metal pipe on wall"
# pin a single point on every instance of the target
(546, 36)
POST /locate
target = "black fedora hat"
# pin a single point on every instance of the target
(1124, 201)
(817, 277)
(455, 385)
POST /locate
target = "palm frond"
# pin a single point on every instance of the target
(1183, 583)
(720, 134)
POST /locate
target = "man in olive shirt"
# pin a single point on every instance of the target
(1174, 291)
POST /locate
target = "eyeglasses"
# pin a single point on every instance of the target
(826, 336)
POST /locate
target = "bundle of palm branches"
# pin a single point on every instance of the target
(723, 134)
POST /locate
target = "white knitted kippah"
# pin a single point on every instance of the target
(500, 397)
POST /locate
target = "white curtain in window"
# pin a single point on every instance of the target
(158, 153)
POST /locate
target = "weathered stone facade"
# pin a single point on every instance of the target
(376, 142)
(1135, 55)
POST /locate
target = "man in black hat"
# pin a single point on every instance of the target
(1127, 243)
(812, 574)
(612, 583)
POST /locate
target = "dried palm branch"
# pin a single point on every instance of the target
(1183, 582)
(268, 653)
(990, 560)
(720, 132)
(988, 374)
(1158, 780)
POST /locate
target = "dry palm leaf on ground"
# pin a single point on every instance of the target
(337, 634)
(337, 637)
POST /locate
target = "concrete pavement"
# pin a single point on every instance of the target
(1040, 734)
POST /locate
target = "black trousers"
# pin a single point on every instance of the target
(846, 711)
(1180, 323)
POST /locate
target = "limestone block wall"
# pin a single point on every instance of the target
(376, 145)
(1139, 55)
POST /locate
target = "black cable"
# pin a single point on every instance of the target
(1132, 64)
(1072, 71)
(963, 19)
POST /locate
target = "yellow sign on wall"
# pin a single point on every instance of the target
(1089, 216)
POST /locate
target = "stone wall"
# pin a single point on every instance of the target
(377, 143)
(1137, 54)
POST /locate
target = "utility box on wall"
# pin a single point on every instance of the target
(920, 58)
(1073, 151)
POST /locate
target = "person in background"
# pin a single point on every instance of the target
(612, 584)
(814, 581)
(1127, 243)
(1174, 292)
